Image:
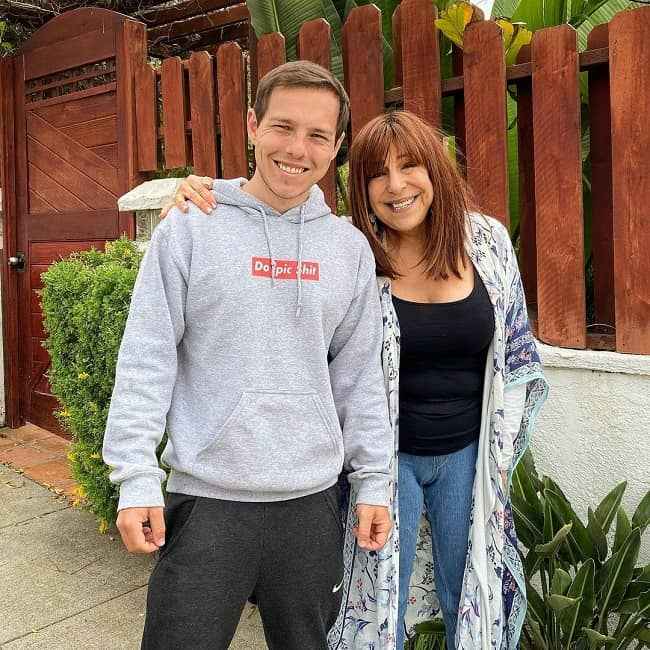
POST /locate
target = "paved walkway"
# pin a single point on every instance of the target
(64, 586)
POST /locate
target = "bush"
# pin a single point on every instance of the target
(85, 302)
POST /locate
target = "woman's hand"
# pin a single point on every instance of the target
(195, 189)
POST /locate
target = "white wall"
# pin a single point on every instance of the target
(594, 430)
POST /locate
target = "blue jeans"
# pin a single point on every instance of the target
(443, 486)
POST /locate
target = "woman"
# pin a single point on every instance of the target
(464, 383)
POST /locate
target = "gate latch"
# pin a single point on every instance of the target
(17, 261)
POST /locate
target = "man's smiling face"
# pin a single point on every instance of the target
(295, 142)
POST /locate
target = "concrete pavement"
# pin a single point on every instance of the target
(64, 586)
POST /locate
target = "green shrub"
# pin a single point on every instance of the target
(85, 302)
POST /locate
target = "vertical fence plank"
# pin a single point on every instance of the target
(10, 320)
(602, 215)
(172, 83)
(484, 72)
(130, 54)
(232, 111)
(145, 117)
(558, 188)
(314, 45)
(460, 135)
(363, 63)
(629, 34)
(421, 60)
(526, 166)
(203, 113)
(271, 53)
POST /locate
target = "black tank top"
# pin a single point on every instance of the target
(442, 364)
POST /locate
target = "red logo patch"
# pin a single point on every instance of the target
(261, 267)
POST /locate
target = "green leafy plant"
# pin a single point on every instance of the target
(583, 592)
(85, 301)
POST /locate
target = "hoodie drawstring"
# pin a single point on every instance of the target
(268, 245)
(299, 268)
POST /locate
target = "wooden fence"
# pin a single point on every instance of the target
(210, 90)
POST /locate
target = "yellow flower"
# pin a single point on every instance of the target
(96, 456)
(103, 526)
(83, 375)
(72, 456)
(64, 413)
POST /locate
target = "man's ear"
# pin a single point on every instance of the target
(339, 142)
(251, 125)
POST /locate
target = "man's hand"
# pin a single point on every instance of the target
(374, 526)
(195, 189)
(142, 529)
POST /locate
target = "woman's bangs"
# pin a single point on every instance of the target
(375, 154)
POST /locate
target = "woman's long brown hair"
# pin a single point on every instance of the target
(422, 145)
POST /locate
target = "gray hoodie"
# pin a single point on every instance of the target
(267, 383)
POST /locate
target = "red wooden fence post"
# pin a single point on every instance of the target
(232, 111)
(172, 83)
(421, 60)
(270, 53)
(558, 188)
(486, 146)
(629, 33)
(9, 279)
(203, 113)
(314, 45)
(363, 63)
(146, 117)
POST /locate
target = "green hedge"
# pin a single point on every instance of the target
(85, 302)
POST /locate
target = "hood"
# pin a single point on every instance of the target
(230, 192)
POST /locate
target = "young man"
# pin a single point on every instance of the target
(254, 340)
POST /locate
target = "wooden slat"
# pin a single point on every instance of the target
(364, 65)
(421, 60)
(131, 53)
(81, 94)
(200, 23)
(203, 114)
(460, 135)
(181, 11)
(76, 155)
(146, 117)
(232, 110)
(76, 111)
(94, 133)
(73, 226)
(174, 115)
(314, 45)
(486, 152)
(68, 176)
(39, 86)
(53, 251)
(39, 353)
(76, 51)
(558, 188)
(526, 163)
(629, 35)
(52, 194)
(109, 152)
(602, 214)
(271, 53)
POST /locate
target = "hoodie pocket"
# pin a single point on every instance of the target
(273, 442)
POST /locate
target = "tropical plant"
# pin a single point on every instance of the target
(583, 591)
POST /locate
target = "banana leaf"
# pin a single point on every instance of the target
(287, 16)
(609, 506)
(641, 516)
(623, 529)
(582, 588)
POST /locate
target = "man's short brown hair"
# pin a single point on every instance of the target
(302, 74)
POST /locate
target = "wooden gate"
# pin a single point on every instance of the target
(68, 133)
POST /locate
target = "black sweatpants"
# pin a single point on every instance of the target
(287, 554)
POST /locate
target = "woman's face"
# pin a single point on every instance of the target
(401, 194)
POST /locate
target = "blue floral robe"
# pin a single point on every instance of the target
(493, 602)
